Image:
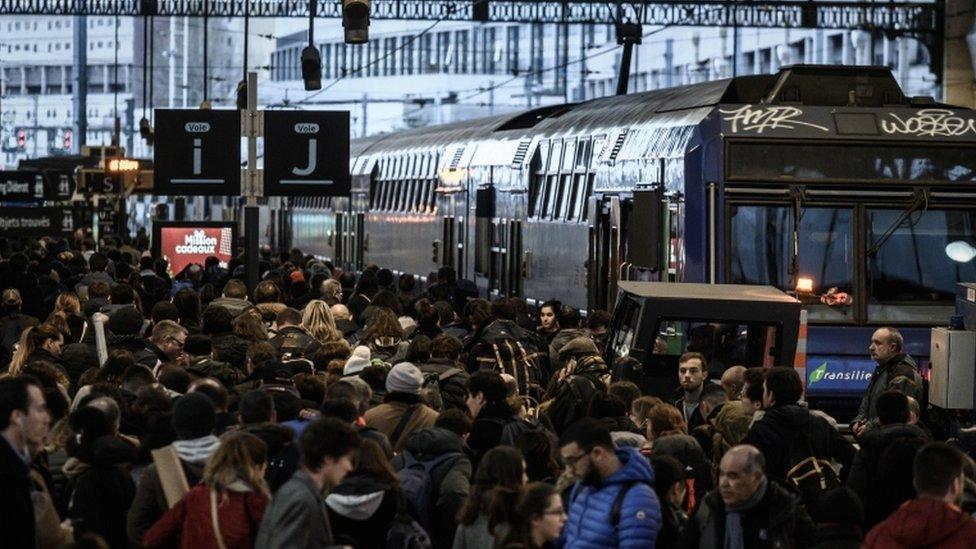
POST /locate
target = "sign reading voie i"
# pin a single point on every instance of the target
(306, 153)
(197, 152)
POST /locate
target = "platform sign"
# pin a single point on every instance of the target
(36, 185)
(37, 222)
(197, 153)
(306, 153)
(102, 182)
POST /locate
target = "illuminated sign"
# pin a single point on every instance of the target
(123, 165)
(185, 243)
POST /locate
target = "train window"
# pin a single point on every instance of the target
(569, 155)
(583, 154)
(579, 191)
(599, 142)
(914, 262)
(539, 199)
(761, 245)
(556, 157)
(566, 198)
(552, 197)
(590, 178)
(391, 195)
(419, 194)
(807, 161)
(543, 149)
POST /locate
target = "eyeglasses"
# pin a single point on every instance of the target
(571, 461)
(178, 343)
(557, 512)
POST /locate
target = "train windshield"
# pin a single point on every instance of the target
(912, 259)
(823, 162)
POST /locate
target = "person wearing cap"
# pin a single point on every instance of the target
(124, 330)
(12, 324)
(194, 419)
(402, 411)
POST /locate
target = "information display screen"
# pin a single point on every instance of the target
(185, 242)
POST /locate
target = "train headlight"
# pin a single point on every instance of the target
(804, 285)
(960, 251)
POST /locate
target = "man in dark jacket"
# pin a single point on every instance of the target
(234, 298)
(124, 330)
(445, 351)
(748, 509)
(12, 325)
(218, 323)
(934, 518)
(486, 404)
(881, 474)
(24, 421)
(586, 375)
(297, 517)
(692, 373)
(164, 345)
(154, 289)
(292, 341)
(787, 429)
(570, 328)
(200, 362)
(895, 371)
(450, 478)
(257, 416)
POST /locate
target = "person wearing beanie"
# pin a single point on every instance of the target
(124, 330)
(358, 361)
(839, 523)
(194, 418)
(402, 411)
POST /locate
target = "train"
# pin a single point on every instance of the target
(824, 181)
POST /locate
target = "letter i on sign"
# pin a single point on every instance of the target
(197, 156)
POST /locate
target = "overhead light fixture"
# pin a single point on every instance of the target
(960, 251)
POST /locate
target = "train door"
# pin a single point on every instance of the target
(350, 239)
(337, 239)
(603, 259)
(450, 250)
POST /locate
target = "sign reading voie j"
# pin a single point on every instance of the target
(306, 153)
(197, 152)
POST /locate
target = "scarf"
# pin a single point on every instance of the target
(196, 450)
(733, 518)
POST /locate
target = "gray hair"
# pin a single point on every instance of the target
(109, 407)
(894, 337)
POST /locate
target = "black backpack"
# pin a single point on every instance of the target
(417, 483)
(573, 396)
(12, 328)
(505, 348)
(406, 533)
(809, 476)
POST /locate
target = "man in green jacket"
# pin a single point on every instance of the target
(895, 371)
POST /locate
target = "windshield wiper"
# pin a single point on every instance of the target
(920, 197)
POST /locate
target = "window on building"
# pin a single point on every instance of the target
(512, 48)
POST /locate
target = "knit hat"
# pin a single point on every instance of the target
(578, 346)
(125, 321)
(841, 506)
(404, 378)
(357, 361)
(193, 416)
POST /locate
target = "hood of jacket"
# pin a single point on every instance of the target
(358, 497)
(433, 441)
(270, 310)
(634, 468)
(731, 423)
(232, 304)
(925, 523)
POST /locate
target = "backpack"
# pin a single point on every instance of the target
(417, 484)
(809, 476)
(430, 390)
(504, 348)
(512, 429)
(13, 327)
(406, 533)
(572, 398)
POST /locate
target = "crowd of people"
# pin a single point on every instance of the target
(331, 408)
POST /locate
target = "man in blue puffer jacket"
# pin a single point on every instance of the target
(613, 504)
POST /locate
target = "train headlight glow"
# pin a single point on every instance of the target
(960, 251)
(804, 285)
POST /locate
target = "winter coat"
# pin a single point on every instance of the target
(450, 480)
(624, 432)
(478, 536)
(558, 341)
(589, 523)
(297, 517)
(386, 417)
(150, 502)
(239, 513)
(454, 390)
(486, 431)
(361, 510)
(686, 450)
(778, 521)
(780, 429)
(221, 371)
(728, 427)
(839, 536)
(924, 523)
(293, 342)
(151, 356)
(573, 394)
(283, 453)
(269, 311)
(884, 484)
(696, 419)
(78, 358)
(101, 488)
(899, 373)
(231, 349)
(43, 355)
(17, 526)
(234, 305)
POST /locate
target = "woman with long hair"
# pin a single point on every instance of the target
(68, 307)
(187, 303)
(479, 527)
(41, 342)
(538, 517)
(225, 509)
(384, 336)
(250, 326)
(318, 321)
(364, 505)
